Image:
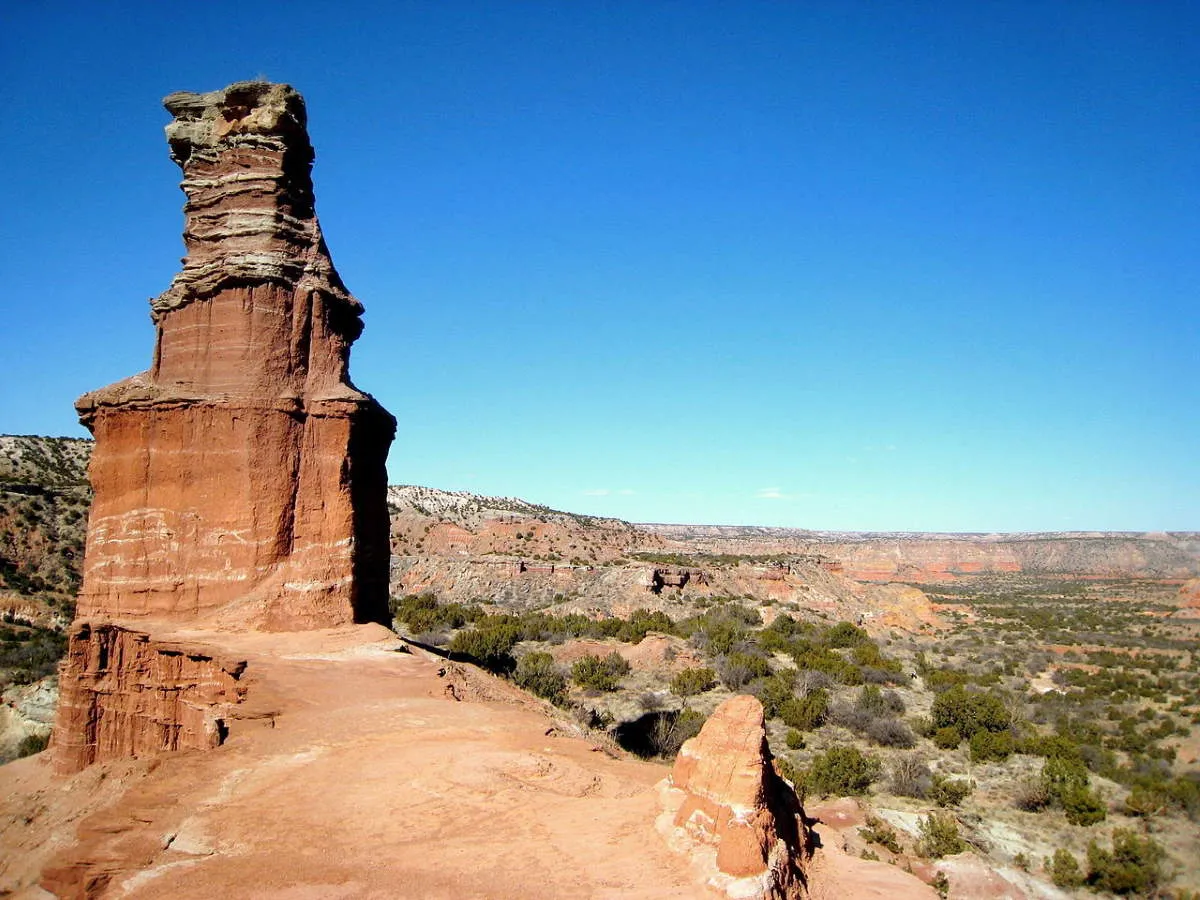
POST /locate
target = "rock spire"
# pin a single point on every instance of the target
(244, 465)
(239, 482)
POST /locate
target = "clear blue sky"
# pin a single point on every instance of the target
(927, 266)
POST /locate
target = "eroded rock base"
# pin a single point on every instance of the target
(122, 694)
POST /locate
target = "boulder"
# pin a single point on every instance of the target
(727, 808)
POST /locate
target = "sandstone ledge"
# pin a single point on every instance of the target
(350, 771)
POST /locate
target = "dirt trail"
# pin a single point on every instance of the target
(357, 771)
(360, 776)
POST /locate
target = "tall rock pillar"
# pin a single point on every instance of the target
(240, 481)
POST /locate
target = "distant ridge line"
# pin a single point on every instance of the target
(517, 504)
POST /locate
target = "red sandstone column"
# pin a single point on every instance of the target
(243, 466)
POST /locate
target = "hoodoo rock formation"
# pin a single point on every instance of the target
(240, 481)
(728, 809)
(243, 464)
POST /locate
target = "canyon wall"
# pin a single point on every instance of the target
(933, 557)
(1098, 555)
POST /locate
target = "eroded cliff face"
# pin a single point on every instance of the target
(731, 813)
(243, 465)
(124, 695)
(239, 482)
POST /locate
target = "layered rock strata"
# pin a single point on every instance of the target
(727, 808)
(243, 465)
(240, 481)
(675, 578)
(122, 695)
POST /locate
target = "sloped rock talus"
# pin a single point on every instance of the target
(123, 694)
(727, 808)
(243, 465)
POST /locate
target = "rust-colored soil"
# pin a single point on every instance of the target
(353, 770)
(360, 776)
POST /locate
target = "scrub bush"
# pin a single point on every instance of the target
(842, 772)
(600, 674)
(939, 837)
(538, 674)
(693, 681)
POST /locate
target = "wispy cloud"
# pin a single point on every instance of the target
(626, 492)
(771, 493)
